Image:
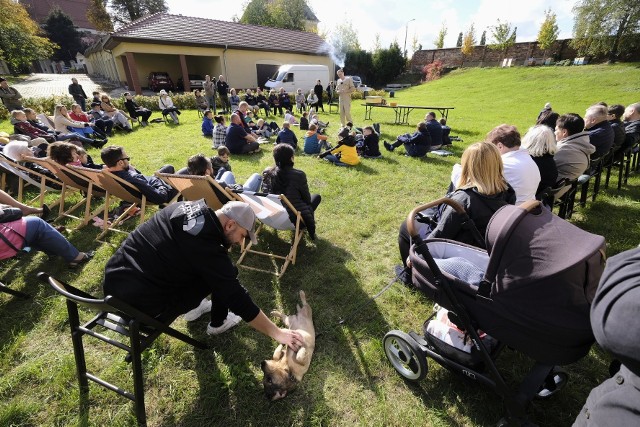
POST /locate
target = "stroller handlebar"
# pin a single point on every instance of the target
(411, 224)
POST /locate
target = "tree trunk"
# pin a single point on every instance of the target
(616, 40)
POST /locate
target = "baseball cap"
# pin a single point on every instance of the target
(241, 213)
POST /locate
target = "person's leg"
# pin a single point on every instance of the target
(341, 107)
(82, 131)
(315, 201)
(174, 117)
(80, 138)
(145, 115)
(253, 183)
(83, 104)
(41, 236)
(347, 110)
(333, 159)
(250, 147)
(404, 243)
(227, 177)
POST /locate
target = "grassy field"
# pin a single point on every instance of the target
(350, 381)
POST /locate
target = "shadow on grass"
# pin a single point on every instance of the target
(229, 376)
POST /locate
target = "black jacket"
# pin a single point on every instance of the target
(618, 131)
(296, 190)
(548, 171)
(632, 134)
(480, 209)
(172, 261)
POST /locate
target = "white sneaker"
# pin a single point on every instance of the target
(204, 307)
(231, 321)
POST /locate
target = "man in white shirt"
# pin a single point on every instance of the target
(520, 171)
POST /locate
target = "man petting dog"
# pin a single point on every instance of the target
(169, 264)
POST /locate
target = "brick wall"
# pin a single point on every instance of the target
(483, 56)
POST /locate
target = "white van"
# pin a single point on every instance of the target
(293, 77)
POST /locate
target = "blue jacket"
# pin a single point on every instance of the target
(435, 131)
(601, 136)
(287, 136)
(207, 126)
(416, 145)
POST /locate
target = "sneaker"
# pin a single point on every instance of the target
(204, 307)
(388, 146)
(231, 321)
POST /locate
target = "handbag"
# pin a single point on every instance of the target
(9, 213)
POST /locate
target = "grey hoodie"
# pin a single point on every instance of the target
(572, 156)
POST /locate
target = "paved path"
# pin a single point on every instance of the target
(43, 85)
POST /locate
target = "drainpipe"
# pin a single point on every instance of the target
(224, 61)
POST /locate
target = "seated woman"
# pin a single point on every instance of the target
(541, 144)
(234, 100)
(262, 102)
(284, 179)
(201, 102)
(135, 110)
(416, 145)
(481, 190)
(314, 143)
(118, 117)
(66, 154)
(63, 122)
(274, 102)
(34, 232)
(168, 109)
(80, 116)
(312, 100)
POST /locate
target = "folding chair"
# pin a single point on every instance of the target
(29, 176)
(117, 187)
(194, 187)
(270, 211)
(75, 182)
(135, 332)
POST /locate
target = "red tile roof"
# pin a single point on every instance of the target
(165, 28)
(76, 9)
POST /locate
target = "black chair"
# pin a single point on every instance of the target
(595, 172)
(547, 195)
(566, 202)
(8, 290)
(138, 330)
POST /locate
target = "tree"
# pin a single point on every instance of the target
(468, 42)
(97, 14)
(605, 26)
(126, 11)
(377, 44)
(359, 62)
(483, 38)
(388, 64)
(503, 37)
(439, 42)
(21, 40)
(548, 33)
(289, 14)
(60, 29)
(459, 42)
(344, 38)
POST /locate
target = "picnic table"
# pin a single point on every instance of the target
(403, 111)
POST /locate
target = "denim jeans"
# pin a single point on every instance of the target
(74, 135)
(333, 159)
(43, 237)
(253, 183)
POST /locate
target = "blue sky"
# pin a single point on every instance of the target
(390, 19)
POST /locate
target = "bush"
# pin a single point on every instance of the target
(433, 71)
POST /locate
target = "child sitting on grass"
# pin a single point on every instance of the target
(263, 129)
(345, 153)
(370, 144)
(304, 121)
(289, 117)
(220, 163)
(287, 136)
(207, 124)
(219, 132)
(315, 120)
(314, 143)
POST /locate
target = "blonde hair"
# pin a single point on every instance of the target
(539, 140)
(482, 168)
(57, 111)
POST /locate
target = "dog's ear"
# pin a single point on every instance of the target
(277, 355)
(263, 366)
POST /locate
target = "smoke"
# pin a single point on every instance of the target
(337, 56)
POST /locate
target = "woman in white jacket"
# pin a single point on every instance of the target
(64, 124)
(166, 105)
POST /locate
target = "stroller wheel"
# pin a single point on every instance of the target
(554, 382)
(405, 355)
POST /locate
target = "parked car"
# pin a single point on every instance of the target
(357, 81)
(159, 80)
(195, 81)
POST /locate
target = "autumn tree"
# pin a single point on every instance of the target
(126, 11)
(468, 42)
(21, 39)
(60, 29)
(548, 33)
(289, 14)
(503, 37)
(439, 42)
(605, 27)
(97, 14)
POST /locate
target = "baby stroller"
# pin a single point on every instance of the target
(530, 290)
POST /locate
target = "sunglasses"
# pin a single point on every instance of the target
(126, 158)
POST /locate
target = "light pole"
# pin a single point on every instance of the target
(406, 30)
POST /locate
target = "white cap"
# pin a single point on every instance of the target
(241, 213)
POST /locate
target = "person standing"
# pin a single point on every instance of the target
(344, 89)
(11, 98)
(317, 89)
(223, 92)
(76, 91)
(209, 87)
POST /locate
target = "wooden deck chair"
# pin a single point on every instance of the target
(270, 211)
(194, 187)
(26, 175)
(72, 181)
(114, 186)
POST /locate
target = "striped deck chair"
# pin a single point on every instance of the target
(72, 181)
(25, 175)
(115, 187)
(194, 187)
(271, 212)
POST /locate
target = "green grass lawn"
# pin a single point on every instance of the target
(350, 381)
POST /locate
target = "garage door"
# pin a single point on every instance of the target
(265, 72)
